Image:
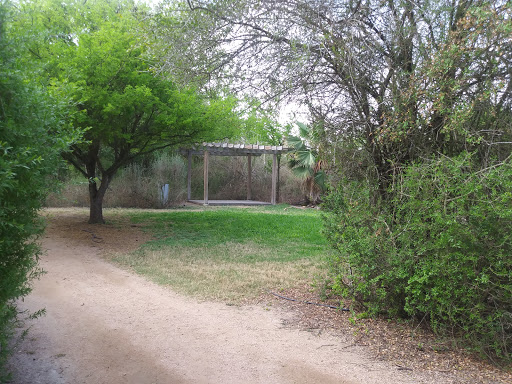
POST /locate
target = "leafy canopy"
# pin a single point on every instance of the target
(95, 53)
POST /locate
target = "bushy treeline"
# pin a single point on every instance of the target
(422, 214)
(439, 251)
(32, 135)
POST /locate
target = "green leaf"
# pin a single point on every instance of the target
(306, 158)
(295, 142)
(304, 130)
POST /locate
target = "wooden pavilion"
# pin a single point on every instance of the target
(224, 149)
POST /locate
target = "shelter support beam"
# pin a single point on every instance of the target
(249, 177)
(225, 149)
(206, 161)
(189, 175)
(274, 179)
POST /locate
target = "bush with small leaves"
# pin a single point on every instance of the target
(439, 250)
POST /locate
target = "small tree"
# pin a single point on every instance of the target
(305, 162)
(99, 59)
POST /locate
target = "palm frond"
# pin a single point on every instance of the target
(321, 179)
(295, 142)
(292, 161)
(320, 164)
(306, 158)
(302, 172)
(304, 131)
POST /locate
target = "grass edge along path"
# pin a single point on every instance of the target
(229, 254)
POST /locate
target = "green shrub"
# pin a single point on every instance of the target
(441, 249)
(32, 135)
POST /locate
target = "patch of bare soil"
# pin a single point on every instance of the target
(107, 325)
(406, 346)
(70, 225)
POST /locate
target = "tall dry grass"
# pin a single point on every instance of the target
(140, 185)
(228, 180)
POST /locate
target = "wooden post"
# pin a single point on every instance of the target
(205, 162)
(189, 176)
(249, 177)
(274, 179)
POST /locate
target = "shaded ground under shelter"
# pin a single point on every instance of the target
(224, 149)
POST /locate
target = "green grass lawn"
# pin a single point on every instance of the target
(230, 254)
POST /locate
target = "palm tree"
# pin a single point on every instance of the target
(304, 162)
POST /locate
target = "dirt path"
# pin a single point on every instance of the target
(106, 325)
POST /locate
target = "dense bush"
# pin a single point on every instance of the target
(440, 250)
(32, 135)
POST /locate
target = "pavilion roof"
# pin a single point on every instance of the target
(226, 149)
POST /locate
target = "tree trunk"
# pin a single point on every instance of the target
(95, 205)
(96, 200)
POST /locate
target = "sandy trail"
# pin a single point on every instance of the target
(107, 325)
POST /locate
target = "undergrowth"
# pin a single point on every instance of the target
(440, 250)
